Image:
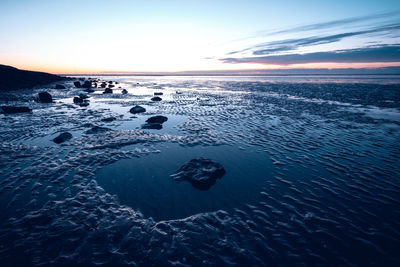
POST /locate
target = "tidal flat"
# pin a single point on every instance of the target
(312, 172)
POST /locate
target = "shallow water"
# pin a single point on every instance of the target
(312, 174)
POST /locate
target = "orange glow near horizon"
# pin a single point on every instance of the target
(221, 67)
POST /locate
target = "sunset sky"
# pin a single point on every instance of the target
(152, 36)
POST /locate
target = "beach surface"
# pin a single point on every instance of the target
(311, 172)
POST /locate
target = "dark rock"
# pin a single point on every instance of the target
(109, 119)
(124, 92)
(111, 85)
(45, 97)
(13, 78)
(59, 86)
(137, 109)
(97, 129)
(158, 93)
(87, 84)
(11, 109)
(103, 85)
(202, 173)
(62, 138)
(78, 84)
(156, 98)
(84, 104)
(77, 100)
(108, 91)
(157, 119)
(154, 126)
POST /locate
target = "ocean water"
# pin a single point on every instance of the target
(312, 174)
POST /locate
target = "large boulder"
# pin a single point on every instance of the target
(45, 97)
(137, 109)
(13, 109)
(202, 173)
(62, 138)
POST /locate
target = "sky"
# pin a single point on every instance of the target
(166, 36)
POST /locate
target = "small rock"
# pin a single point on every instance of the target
(87, 84)
(202, 173)
(109, 119)
(158, 93)
(124, 92)
(77, 100)
(84, 104)
(157, 119)
(137, 109)
(97, 129)
(103, 85)
(111, 86)
(154, 126)
(77, 84)
(156, 98)
(45, 97)
(59, 86)
(62, 138)
(108, 91)
(11, 109)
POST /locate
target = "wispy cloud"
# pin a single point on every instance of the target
(384, 32)
(361, 55)
(336, 23)
(292, 44)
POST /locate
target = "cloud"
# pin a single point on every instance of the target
(385, 26)
(292, 44)
(336, 23)
(360, 55)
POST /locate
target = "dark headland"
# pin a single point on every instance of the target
(12, 78)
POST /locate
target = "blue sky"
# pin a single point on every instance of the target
(123, 36)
